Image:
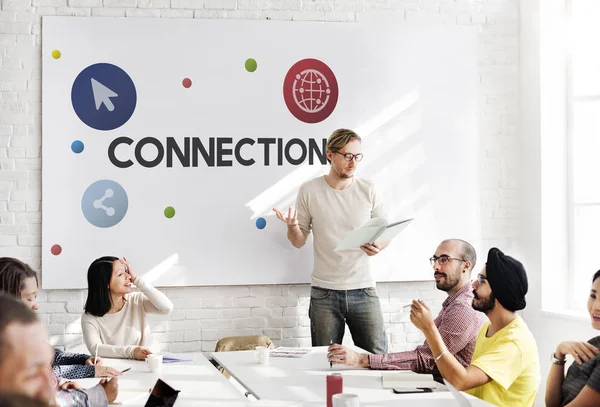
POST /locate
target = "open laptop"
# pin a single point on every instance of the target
(162, 395)
(458, 396)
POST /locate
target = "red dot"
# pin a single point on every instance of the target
(187, 82)
(56, 250)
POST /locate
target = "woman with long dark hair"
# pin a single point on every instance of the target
(115, 322)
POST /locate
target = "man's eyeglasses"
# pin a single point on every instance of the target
(481, 278)
(350, 156)
(443, 259)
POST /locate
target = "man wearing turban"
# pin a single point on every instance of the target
(505, 369)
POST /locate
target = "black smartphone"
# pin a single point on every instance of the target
(162, 395)
(408, 390)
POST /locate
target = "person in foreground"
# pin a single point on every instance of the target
(581, 386)
(115, 322)
(343, 289)
(505, 369)
(19, 280)
(25, 359)
(19, 400)
(457, 322)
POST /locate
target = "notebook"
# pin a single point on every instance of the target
(406, 380)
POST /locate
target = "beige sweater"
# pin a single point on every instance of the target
(331, 214)
(117, 335)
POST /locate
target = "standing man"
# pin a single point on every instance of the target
(505, 370)
(457, 322)
(343, 290)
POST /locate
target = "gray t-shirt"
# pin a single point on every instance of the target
(331, 215)
(578, 376)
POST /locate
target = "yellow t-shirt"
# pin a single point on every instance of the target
(510, 359)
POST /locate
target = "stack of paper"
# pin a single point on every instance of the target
(283, 352)
(170, 358)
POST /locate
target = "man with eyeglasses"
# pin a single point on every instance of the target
(457, 322)
(505, 369)
(343, 290)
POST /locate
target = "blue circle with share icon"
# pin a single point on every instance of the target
(104, 203)
(103, 96)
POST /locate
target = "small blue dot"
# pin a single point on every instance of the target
(261, 223)
(77, 146)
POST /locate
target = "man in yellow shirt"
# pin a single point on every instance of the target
(505, 369)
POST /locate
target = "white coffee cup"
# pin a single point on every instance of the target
(345, 400)
(262, 355)
(154, 362)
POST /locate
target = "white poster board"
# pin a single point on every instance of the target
(238, 138)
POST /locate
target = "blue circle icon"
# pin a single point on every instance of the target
(103, 96)
(104, 203)
(261, 223)
(77, 146)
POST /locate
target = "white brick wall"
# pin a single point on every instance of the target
(204, 314)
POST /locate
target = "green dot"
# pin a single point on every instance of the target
(169, 212)
(56, 54)
(251, 65)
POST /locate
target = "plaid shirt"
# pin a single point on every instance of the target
(459, 325)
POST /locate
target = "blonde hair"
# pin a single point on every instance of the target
(339, 139)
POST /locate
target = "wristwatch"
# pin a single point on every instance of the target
(558, 361)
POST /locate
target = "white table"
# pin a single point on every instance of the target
(200, 383)
(303, 379)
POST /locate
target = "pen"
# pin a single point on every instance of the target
(406, 306)
(330, 363)
(96, 356)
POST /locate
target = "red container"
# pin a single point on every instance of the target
(335, 385)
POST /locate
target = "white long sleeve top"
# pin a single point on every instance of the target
(117, 335)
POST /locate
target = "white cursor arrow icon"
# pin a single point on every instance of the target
(102, 94)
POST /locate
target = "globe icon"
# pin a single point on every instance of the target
(311, 90)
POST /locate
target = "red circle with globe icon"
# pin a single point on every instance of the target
(310, 90)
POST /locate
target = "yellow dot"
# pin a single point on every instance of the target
(56, 54)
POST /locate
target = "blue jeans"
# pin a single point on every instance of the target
(360, 309)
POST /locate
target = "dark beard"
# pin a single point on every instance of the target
(484, 305)
(448, 285)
